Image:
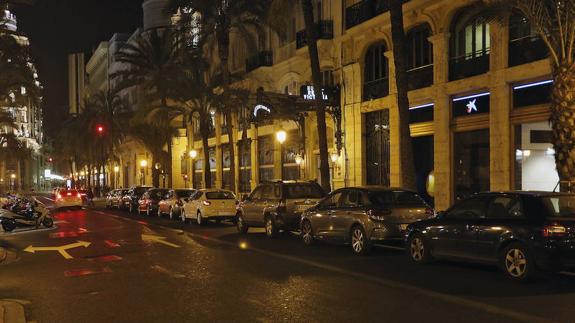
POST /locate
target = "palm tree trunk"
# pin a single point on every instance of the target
(168, 170)
(231, 131)
(400, 59)
(311, 35)
(563, 121)
(205, 133)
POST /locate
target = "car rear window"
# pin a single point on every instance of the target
(560, 205)
(220, 195)
(395, 198)
(184, 193)
(300, 191)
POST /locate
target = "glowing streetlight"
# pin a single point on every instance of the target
(334, 157)
(116, 169)
(193, 154)
(281, 136)
(298, 159)
(12, 176)
(143, 163)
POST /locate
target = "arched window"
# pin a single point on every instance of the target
(524, 44)
(470, 46)
(376, 73)
(420, 57)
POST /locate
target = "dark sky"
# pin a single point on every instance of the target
(59, 27)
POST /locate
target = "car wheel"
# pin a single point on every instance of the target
(171, 213)
(131, 208)
(518, 263)
(241, 225)
(159, 212)
(307, 233)
(8, 226)
(271, 229)
(418, 249)
(183, 216)
(359, 242)
(148, 211)
(47, 222)
(199, 219)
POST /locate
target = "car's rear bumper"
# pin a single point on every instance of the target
(555, 255)
(381, 231)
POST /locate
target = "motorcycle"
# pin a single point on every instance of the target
(26, 214)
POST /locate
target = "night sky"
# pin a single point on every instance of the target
(59, 27)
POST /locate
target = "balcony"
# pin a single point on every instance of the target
(420, 77)
(375, 89)
(526, 50)
(324, 31)
(263, 58)
(468, 66)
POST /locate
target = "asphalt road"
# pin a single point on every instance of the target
(147, 269)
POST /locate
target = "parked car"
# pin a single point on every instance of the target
(68, 198)
(210, 204)
(83, 195)
(114, 198)
(277, 205)
(522, 232)
(130, 200)
(173, 202)
(110, 196)
(149, 201)
(363, 215)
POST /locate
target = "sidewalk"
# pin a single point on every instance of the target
(12, 311)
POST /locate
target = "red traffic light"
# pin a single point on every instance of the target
(50, 159)
(100, 129)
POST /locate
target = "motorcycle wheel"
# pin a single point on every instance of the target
(48, 222)
(8, 226)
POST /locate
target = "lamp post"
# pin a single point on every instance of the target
(281, 137)
(299, 161)
(193, 155)
(12, 181)
(143, 165)
(116, 171)
(334, 158)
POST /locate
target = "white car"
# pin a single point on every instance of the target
(68, 198)
(210, 204)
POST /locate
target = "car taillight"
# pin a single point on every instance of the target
(206, 203)
(58, 197)
(554, 230)
(376, 215)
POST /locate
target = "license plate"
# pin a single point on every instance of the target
(403, 226)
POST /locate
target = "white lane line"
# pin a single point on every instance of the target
(488, 308)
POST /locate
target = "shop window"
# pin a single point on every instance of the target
(198, 167)
(530, 94)
(470, 105)
(471, 162)
(524, 44)
(244, 150)
(291, 148)
(376, 73)
(470, 46)
(423, 157)
(377, 147)
(420, 57)
(266, 158)
(226, 164)
(421, 113)
(212, 154)
(534, 157)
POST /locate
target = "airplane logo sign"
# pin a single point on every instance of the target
(471, 107)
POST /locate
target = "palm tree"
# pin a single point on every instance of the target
(553, 22)
(218, 21)
(151, 61)
(16, 70)
(400, 60)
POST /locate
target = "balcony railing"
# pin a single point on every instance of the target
(324, 31)
(375, 89)
(420, 77)
(468, 66)
(263, 58)
(526, 50)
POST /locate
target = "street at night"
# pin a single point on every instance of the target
(147, 269)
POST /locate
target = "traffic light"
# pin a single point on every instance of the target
(100, 129)
(50, 159)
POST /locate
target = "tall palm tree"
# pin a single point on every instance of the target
(400, 60)
(218, 20)
(553, 22)
(150, 62)
(16, 69)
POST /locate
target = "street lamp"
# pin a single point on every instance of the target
(13, 181)
(143, 165)
(193, 155)
(334, 158)
(299, 161)
(116, 171)
(281, 137)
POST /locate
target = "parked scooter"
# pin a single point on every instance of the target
(32, 213)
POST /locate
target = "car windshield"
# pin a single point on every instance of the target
(395, 198)
(184, 193)
(221, 195)
(560, 205)
(299, 191)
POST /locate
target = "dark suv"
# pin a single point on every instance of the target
(522, 232)
(130, 200)
(277, 205)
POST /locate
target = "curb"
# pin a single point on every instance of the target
(12, 312)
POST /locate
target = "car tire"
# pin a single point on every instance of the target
(171, 213)
(199, 220)
(271, 227)
(241, 225)
(307, 233)
(8, 226)
(47, 222)
(159, 212)
(359, 242)
(131, 208)
(418, 249)
(148, 211)
(183, 216)
(517, 263)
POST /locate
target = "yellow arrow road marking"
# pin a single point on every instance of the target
(61, 249)
(158, 239)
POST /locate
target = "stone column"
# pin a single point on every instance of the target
(394, 141)
(499, 137)
(353, 124)
(499, 55)
(253, 134)
(278, 149)
(233, 145)
(442, 119)
(219, 161)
